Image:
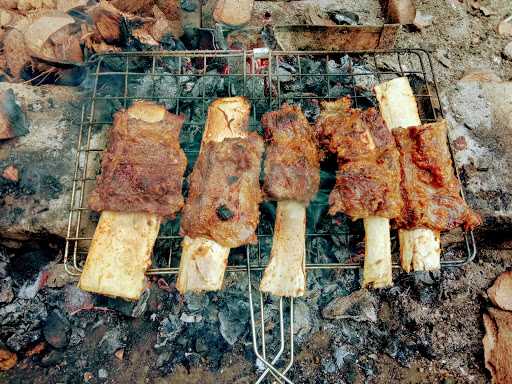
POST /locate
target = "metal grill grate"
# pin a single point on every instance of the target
(186, 82)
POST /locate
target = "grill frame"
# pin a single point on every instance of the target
(404, 62)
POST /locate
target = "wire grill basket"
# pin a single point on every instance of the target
(186, 82)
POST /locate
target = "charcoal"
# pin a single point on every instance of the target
(196, 302)
(343, 354)
(169, 330)
(113, 340)
(343, 17)
(56, 329)
(75, 299)
(54, 357)
(163, 88)
(188, 6)
(6, 292)
(302, 319)
(233, 318)
(20, 322)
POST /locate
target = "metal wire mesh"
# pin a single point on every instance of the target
(187, 81)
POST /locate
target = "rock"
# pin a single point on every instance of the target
(56, 329)
(401, 11)
(37, 204)
(102, 373)
(422, 21)
(358, 306)
(119, 354)
(58, 277)
(481, 112)
(196, 302)
(507, 51)
(8, 359)
(480, 74)
(501, 291)
(11, 173)
(505, 27)
(498, 345)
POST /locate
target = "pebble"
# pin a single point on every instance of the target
(507, 51)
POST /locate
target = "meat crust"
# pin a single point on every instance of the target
(430, 189)
(292, 165)
(142, 168)
(224, 194)
(368, 179)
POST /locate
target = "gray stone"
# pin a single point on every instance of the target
(37, 204)
(507, 51)
(479, 114)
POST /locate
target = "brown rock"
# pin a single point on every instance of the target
(401, 11)
(8, 359)
(505, 27)
(233, 12)
(501, 291)
(107, 19)
(480, 74)
(498, 345)
(119, 354)
(172, 11)
(11, 173)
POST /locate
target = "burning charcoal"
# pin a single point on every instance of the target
(233, 320)
(342, 17)
(56, 329)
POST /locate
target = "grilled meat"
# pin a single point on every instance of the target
(142, 168)
(292, 169)
(224, 195)
(430, 190)
(367, 182)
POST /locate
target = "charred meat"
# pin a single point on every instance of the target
(224, 195)
(368, 178)
(292, 169)
(430, 190)
(142, 168)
